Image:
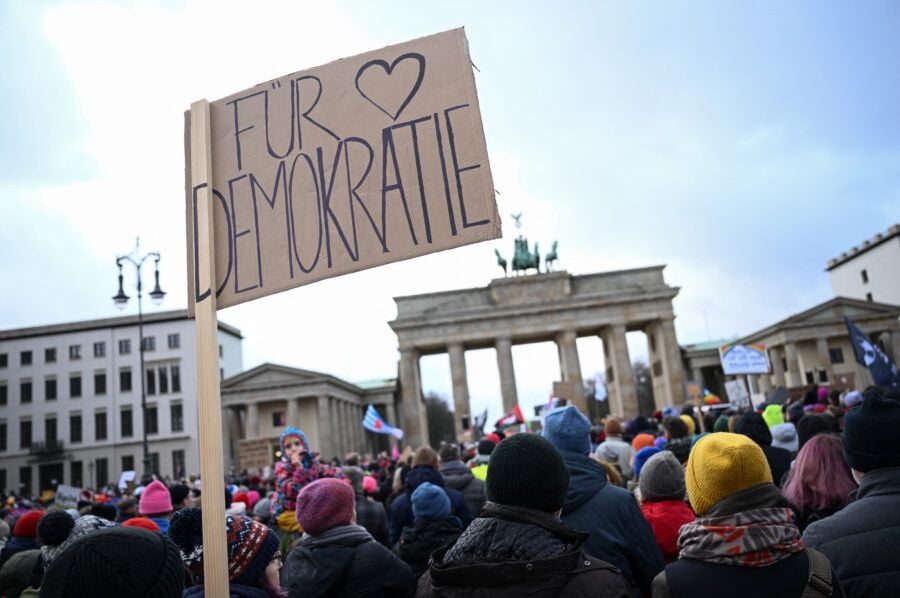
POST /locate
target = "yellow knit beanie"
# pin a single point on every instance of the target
(689, 421)
(723, 464)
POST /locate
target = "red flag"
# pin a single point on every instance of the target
(511, 418)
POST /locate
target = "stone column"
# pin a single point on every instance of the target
(461, 407)
(793, 376)
(670, 352)
(390, 412)
(334, 424)
(411, 394)
(293, 411)
(889, 342)
(570, 367)
(619, 375)
(824, 359)
(508, 393)
(228, 438)
(252, 420)
(697, 375)
(326, 440)
(356, 428)
(775, 356)
(765, 384)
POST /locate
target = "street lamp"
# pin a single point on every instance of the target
(121, 300)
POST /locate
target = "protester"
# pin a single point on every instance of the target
(482, 457)
(752, 425)
(460, 478)
(156, 504)
(181, 496)
(820, 482)
(336, 557)
(662, 501)
(614, 449)
(811, 425)
(298, 467)
(860, 539)
(254, 561)
(24, 535)
(784, 434)
(127, 508)
(434, 527)
(619, 533)
(519, 547)
(16, 573)
(369, 513)
(744, 542)
(117, 562)
(678, 438)
(642, 440)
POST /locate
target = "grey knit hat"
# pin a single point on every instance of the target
(662, 478)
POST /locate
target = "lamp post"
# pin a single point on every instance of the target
(121, 300)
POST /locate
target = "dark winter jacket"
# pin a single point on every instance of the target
(235, 590)
(861, 539)
(372, 516)
(419, 540)
(401, 514)
(619, 533)
(458, 476)
(16, 573)
(752, 425)
(346, 562)
(514, 552)
(680, 447)
(14, 545)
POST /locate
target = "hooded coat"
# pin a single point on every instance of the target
(752, 425)
(419, 540)
(401, 514)
(459, 477)
(346, 562)
(619, 533)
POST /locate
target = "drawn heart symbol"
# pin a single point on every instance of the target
(388, 69)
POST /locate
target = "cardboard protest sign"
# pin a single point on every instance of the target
(67, 496)
(367, 160)
(744, 359)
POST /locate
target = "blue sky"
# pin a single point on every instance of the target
(743, 145)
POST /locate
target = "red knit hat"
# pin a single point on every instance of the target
(26, 526)
(241, 497)
(143, 523)
(324, 504)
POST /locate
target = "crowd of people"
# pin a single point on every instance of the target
(795, 499)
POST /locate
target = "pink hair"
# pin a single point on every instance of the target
(820, 479)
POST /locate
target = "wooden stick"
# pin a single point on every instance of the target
(212, 468)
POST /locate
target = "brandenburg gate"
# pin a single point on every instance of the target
(556, 307)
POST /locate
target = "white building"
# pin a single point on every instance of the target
(870, 271)
(70, 399)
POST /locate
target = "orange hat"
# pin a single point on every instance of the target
(642, 440)
(143, 523)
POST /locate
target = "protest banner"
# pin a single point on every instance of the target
(256, 453)
(744, 359)
(364, 161)
(738, 395)
(67, 496)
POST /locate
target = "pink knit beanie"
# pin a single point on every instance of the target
(155, 499)
(324, 504)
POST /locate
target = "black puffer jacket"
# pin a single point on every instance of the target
(372, 516)
(513, 552)
(752, 425)
(401, 513)
(458, 476)
(418, 541)
(345, 562)
(860, 540)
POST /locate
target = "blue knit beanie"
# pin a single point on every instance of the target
(568, 429)
(292, 431)
(641, 457)
(430, 502)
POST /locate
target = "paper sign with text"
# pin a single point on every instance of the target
(744, 359)
(364, 161)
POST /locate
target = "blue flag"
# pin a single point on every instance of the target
(373, 422)
(869, 354)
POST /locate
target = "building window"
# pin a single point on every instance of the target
(836, 355)
(75, 428)
(4, 394)
(25, 480)
(50, 389)
(99, 383)
(125, 346)
(178, 464)
(220, 351)
(101, 466)
(810, 377)
(50, 430)
(278, 419)
(75, 387)
(25, 434)
(152, 420)
(4, 360)
(221, 373)
(50, 355)
(174, 341)
(176, 378)
(154, 463)
(127, 462)
(149, 343)
(163, 380)
(2, 441)
(823, 376)
(77, 474)
(869, 298)
(151, 382)
(177, 416)
(25, 358)
(100, 349)
(74, 352)
(125, 380)
(865, 276)
(784, 364)
(100, 425)
(127, 423)
(25, 391)
(3, 485)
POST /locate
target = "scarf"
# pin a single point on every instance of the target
(753, 538)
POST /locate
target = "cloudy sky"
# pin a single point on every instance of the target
(741, 145)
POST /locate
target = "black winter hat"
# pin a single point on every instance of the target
(116, 562)
(811, 425)
(871, 439)
(526, 470)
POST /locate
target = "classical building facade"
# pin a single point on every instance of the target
(70, 399)
(259, 403)
(870, 270)
(556, 307)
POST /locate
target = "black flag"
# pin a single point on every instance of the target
(884, 372)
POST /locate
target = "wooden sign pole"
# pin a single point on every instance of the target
(212, 468)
